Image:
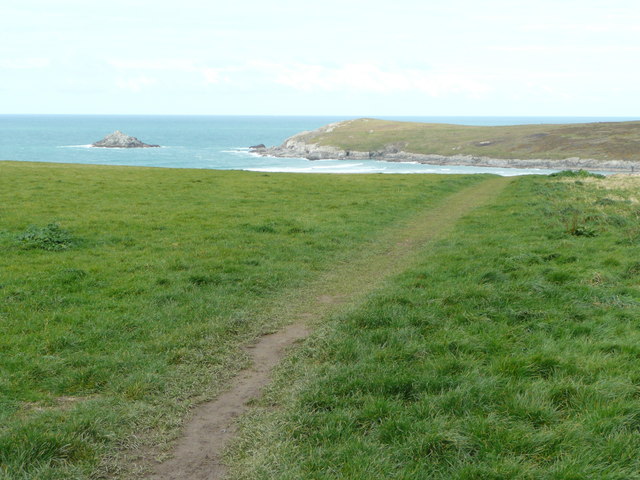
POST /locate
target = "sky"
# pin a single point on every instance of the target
(330, 57)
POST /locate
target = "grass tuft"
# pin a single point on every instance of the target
(50, 237)
(576, 174)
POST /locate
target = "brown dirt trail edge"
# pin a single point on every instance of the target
(197, 453)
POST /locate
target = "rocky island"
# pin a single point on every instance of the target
(604, 146)
(118, 139)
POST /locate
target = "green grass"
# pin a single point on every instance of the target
(603, 141)
(510, 351)
(125, 292)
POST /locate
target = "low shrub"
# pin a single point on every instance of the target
(51, 237)
(576, 174)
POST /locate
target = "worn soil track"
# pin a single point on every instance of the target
(197, 453)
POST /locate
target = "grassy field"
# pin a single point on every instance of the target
(125, 292)
(510, 351)
(603, 141)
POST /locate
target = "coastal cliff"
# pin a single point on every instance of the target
(611, 146)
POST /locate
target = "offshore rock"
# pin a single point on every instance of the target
(118, 139)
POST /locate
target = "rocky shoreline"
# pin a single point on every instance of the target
(297, 147)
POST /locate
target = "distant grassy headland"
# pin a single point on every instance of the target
(606, 146)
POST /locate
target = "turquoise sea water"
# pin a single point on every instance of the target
(214, 142)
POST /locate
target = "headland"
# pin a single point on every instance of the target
(604, 146)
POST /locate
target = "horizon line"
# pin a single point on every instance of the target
(319, 115)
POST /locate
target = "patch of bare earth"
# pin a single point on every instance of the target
(58, 403)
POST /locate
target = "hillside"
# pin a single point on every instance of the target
(612, 145)
(604, 141)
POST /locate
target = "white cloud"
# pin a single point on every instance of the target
(567, 49)
(224, 74)
(356, 77)
(212, 75)
(371, 78)
(24, 63)
(135, 84)
(601, 27)
(175, 64)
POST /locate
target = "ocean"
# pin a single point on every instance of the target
(212, 142)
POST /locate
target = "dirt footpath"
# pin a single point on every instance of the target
(197, 453)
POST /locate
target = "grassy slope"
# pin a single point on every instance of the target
(604, 141)
(105, 344)
(510, 351)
